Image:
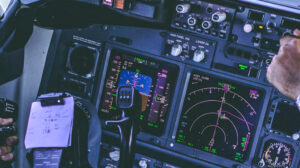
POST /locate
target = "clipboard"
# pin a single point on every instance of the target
(50, 122)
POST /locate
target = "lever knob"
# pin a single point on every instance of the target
(143, 163)
(114, 155)
(206, 24)
(198, 56)
(176, 50)
(183, 8)
(192, 21)
(219, 16)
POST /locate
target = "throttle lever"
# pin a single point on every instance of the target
(129, 102)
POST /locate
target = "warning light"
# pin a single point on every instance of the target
(261, 27)
(119, 4)
(107, 2)
(248, 28)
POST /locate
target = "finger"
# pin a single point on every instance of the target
(285, 40)
(5, 149)
(7, 157)
(297, 32)
(10, 141)
(269, 74)
(7, 121)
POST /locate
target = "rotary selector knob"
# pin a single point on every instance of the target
(109, 166)
(206, 24)
(183, 8)
(143, 163)
(271, 25)
(219, 16)
(198, 56)
(248, 28)
(176, 50)
(191, 21)
(114, 155)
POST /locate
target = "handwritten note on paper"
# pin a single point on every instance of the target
(50, 126)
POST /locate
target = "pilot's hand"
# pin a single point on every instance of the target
(6, 150)
(284, 71)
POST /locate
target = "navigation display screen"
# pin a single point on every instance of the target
(155, 80)
(220, 116)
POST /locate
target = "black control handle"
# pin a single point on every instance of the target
(129, 102)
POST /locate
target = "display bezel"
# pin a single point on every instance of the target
(157, 140)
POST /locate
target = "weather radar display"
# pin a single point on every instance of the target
(220, 116)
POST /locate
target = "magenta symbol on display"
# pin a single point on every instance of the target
(254, 94)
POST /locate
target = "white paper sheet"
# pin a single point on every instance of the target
(50, 126)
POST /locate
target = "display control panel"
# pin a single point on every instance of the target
(203, 18)
(262, 29)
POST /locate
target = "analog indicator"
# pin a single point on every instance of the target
(278, 154)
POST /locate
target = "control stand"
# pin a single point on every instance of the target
(129, 102)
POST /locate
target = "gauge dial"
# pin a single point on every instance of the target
(82, 60)
(278, 154)
(219, 116)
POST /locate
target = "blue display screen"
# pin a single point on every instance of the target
(139, 81)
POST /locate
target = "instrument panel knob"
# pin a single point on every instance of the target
(176, 50)
(114, 155)
(198, 56)
(143, 163)
(206, 24)
(219, 16)
(183, 8)
(191, 21)
(248, 28)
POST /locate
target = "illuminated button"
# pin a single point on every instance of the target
(192, 28)
(207, 31)
(296, 136)
(183, 8)
(206, 24)
(260, 27)
(214, 33)
(176, 50)
(219, 16)
(248, 28)
(177, 24)
(114, 155)
(143, 163)
(222, 35)
(198, 56)
(199, 29)
(191, 21)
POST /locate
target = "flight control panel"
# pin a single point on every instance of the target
(206, 101)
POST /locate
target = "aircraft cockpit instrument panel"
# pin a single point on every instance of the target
(206, 101)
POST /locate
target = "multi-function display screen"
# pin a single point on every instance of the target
(220, 116)
(155, 80)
